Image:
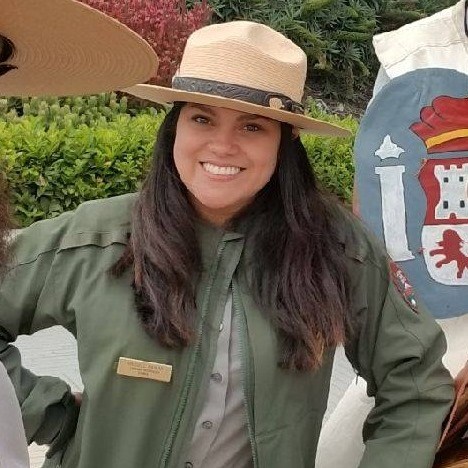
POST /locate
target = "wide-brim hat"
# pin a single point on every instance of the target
(64, 47)
(244, 66)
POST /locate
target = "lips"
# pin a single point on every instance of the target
(220, 170)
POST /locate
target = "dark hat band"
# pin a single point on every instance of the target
(241, 93)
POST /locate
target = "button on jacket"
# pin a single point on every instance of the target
(61, 276)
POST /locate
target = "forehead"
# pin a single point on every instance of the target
(225, 112)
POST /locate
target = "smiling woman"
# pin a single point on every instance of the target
(270, 173)
(217, 296)
(224, 158)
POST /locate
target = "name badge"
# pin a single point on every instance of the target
(143, 369)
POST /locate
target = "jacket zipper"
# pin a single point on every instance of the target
(190, 374)
(242, 330)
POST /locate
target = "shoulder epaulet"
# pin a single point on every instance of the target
(105, 214)
(98, 222)
(358, 241)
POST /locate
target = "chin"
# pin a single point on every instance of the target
(218, 204)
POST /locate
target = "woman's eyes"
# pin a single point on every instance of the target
(249, 127)
(252, 128)
(201, 119)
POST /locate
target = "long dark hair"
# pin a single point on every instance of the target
(298, 275)
(7, 51)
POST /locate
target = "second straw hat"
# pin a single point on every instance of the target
(64, 47)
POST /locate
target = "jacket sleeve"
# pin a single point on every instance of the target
(27, 304)
(398, 351)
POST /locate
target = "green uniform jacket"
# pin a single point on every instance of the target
(61, 277)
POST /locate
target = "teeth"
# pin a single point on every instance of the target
(220, 170)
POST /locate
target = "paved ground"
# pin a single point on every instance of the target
(53, 352)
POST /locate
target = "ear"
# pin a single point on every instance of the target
(295, 132)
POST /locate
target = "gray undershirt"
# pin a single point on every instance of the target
(221, 438)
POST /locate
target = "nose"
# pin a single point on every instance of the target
(223, 142)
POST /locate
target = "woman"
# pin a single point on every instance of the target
(57, 47)
(208, 307)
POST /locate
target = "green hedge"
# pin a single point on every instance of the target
(60, 152)
(332, 158)
(55, 162)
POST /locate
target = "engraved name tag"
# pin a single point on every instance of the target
(144, 369)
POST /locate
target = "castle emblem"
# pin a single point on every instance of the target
(444, 237)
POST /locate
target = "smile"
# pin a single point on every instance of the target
(220, 170)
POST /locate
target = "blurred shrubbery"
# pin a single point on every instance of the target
(332, 158)
(63, 152)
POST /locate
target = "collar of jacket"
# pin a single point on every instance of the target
(210, 236)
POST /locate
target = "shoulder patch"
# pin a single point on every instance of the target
(403, 286)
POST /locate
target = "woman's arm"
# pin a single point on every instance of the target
(28, 304)
(398, 351)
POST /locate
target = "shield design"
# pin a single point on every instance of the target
(443, 128)
(412, 180)
(444, 235)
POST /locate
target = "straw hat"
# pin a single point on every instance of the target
(64, 47)
(243, 66)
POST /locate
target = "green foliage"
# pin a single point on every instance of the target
(58, 155)
(425, 7)
(230, 10)
(55, 161)
(69, 111)
(332, 158)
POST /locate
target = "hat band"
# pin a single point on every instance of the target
(242, 93)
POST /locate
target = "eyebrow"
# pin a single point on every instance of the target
(202, 107)
(242, 118)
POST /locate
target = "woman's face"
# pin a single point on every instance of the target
(224, 157)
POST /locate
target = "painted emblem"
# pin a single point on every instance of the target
(444, 129)
(412, 179)
(403, 285)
